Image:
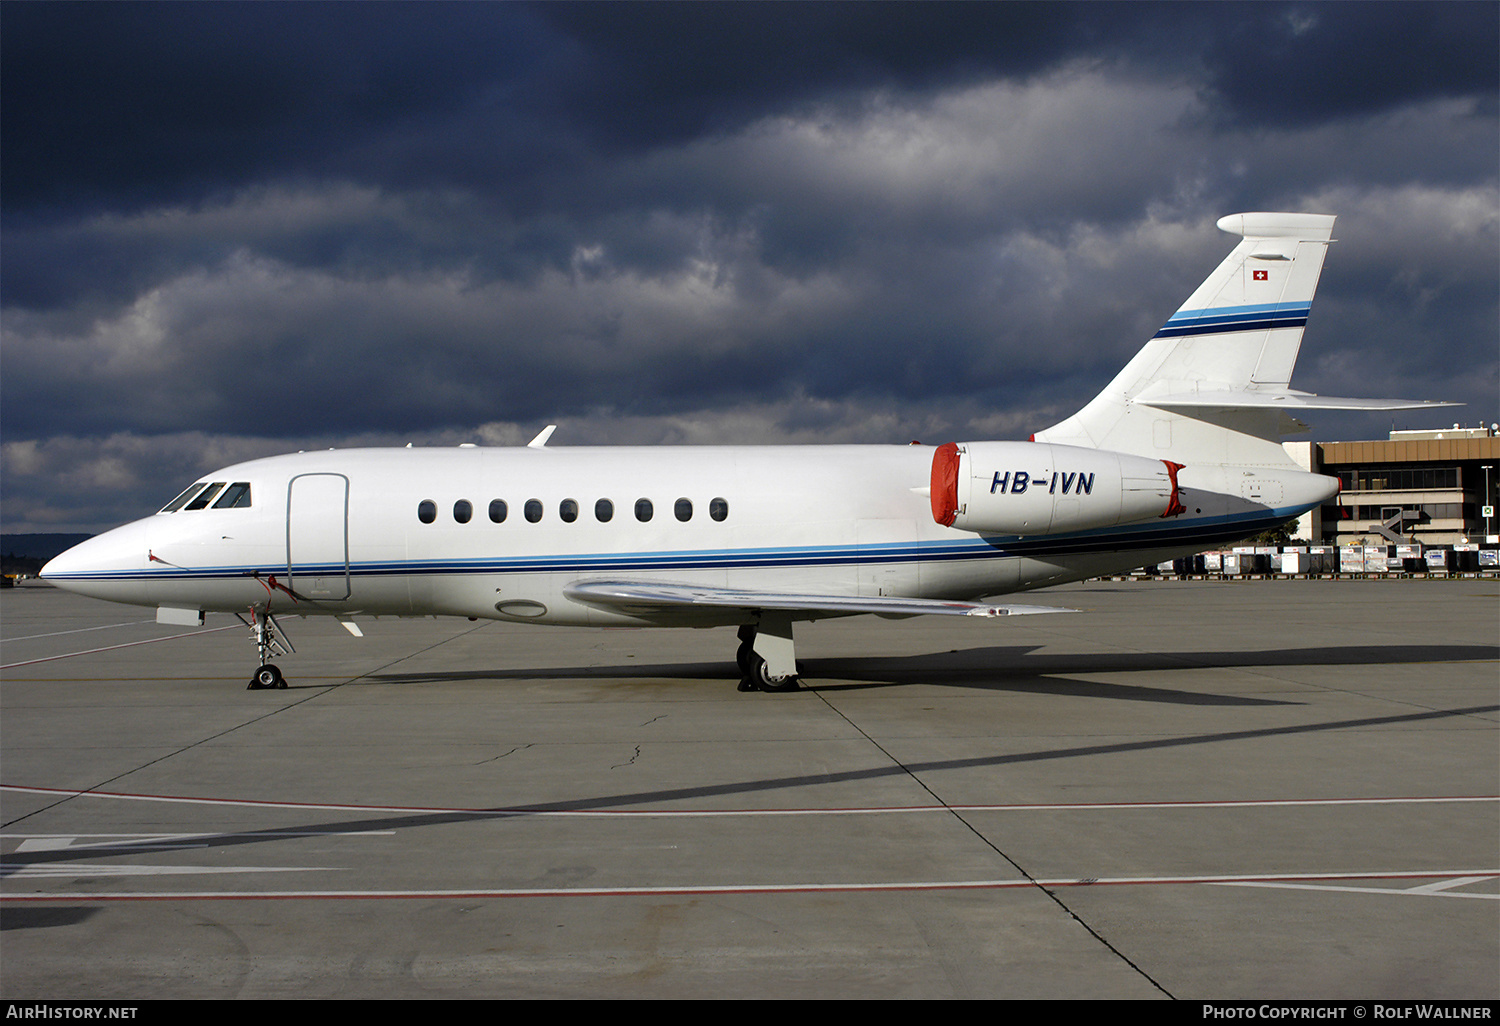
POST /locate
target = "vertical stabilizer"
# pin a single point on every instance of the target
(1219, 364)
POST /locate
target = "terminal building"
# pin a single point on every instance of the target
(1433, 488)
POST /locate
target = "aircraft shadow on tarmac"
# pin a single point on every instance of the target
(1001, 668)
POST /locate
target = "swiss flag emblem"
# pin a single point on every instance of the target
(1262, 275)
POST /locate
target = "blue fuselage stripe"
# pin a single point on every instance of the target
(1204, 533)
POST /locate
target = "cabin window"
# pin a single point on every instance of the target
(718, 509)
(568, 510)
(427, 511)
(463, 511)
(533, 510)
(643, 510)
(498, 511)
(181, 500)
(236, 496)
(205, 495)
(682, 509)
(604, 511)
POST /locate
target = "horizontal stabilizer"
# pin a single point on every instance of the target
(1288, 399)
(644, 597)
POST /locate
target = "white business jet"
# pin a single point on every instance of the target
(1179, 453)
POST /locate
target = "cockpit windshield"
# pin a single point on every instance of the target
(201, 499)
(236, 496)
(181, 500)
(199, 495)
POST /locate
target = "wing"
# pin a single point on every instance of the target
(646, 597)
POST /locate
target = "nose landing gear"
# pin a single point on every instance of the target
(270, 640)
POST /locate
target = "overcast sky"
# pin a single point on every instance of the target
(236, 230)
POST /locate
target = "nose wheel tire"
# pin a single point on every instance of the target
(268, 676)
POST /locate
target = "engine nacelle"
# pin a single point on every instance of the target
(1030, 488)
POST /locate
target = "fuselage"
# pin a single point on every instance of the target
(499, 533)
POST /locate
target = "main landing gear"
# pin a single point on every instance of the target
(765, 656)
(270, 640)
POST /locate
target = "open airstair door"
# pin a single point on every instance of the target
(317, 537)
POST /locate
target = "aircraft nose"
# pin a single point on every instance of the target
(114, 565)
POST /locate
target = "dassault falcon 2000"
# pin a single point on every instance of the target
(1180, 452)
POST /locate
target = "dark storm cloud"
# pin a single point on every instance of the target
(235, 229)
(134, 103)
(713, 65)
(140, 102)
(121, 104)
(1303, 63)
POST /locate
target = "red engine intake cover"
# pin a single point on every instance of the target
(944, 489)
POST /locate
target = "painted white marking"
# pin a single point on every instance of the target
(132, 843)
(690, 889)
(76, 869)
(1461, 881)
(111, 648)
(78, 630)
(1441, 889)
(706, 813)
(64, 842)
